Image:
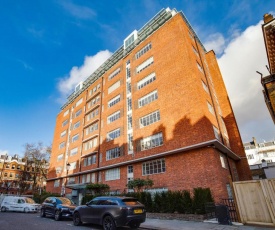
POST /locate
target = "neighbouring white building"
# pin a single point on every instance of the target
(261, 158)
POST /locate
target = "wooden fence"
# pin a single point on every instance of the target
(256, 201)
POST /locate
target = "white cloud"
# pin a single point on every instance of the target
(78, 11)
(243, 56)
(215, 42)
(77, 74)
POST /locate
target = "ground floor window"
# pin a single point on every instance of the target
(153, 167)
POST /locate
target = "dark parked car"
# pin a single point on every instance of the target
(111, 212)
(57, 207)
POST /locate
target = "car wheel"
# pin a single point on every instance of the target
(26, 209)
(57, 215)
(77, 219)
(42, 212)
(108, 223)
(3, 209)
(134, 225)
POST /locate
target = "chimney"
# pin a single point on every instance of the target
(267, 18)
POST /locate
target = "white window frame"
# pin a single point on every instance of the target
(62, 145)
(113, 134)
(150, 142)
(143, 50)
(113, 87)
(56, 183)
(73, 151)
(64, 123)
(154, 167)
(149, 119)
(114, 153)
(79, 102)
(60, 157)
(63, 133)
(75, 138)
(146, 81)
(76, 125)
(147, 99)
(114, 101)
(145, 64)
(113, 74)
(113, 117)
(78, 112)
(112, 174)
(90, 144)
(210, 108)
(66, 113)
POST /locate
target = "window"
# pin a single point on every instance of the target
(129, 104)
(223, 161)
(114, 153)
(199, 67)
(129, 87)
(71, 180)
(129, 121)
(217, 133)
(64, 123)
(79, 102)
(153, 167)
(91, 128)
(113, 74)
(92, 114)
(250, 156)
(195, 51)
(113, 117)
(145, 64)
(61, 145)
(65, 113)
(93, 101)
(150, 142)
(56, 183)
(143, 50)
(75, 138)
(113, 134)
(130, 143)
(78, 112)
(130, 39)
(128, 72)
(112, 174)
(210, 108)
(63, 133)
(130, 169)
(89, 160)
(76, 125)
(113, 87)
(58, 170)
(205, 87)
(73, 151)
(148, 99)
(114, 101)
(149, 119)
(146, 81)
(90, 144)
(60, 157)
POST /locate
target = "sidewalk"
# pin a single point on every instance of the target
(154, 224)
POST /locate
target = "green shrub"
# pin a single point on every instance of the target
(201, 196)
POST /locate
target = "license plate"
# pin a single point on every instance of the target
(137, 211)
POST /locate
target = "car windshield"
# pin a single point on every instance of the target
(131, 202)
(29, 201)
(65, 200)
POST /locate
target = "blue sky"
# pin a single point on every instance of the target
(46, 47)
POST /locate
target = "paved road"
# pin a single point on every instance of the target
(32, 221)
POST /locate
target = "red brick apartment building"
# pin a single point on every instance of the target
(157, 108)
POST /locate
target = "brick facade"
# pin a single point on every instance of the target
(188, 83)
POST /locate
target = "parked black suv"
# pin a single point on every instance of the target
(57, 207)
(111, 212)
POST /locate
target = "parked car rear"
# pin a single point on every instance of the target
(57, 207)
(111, 212)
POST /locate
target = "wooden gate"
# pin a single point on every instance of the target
(256, 201)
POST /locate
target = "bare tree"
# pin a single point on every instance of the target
(37, 157)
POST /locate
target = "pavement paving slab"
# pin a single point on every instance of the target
(159, 224)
